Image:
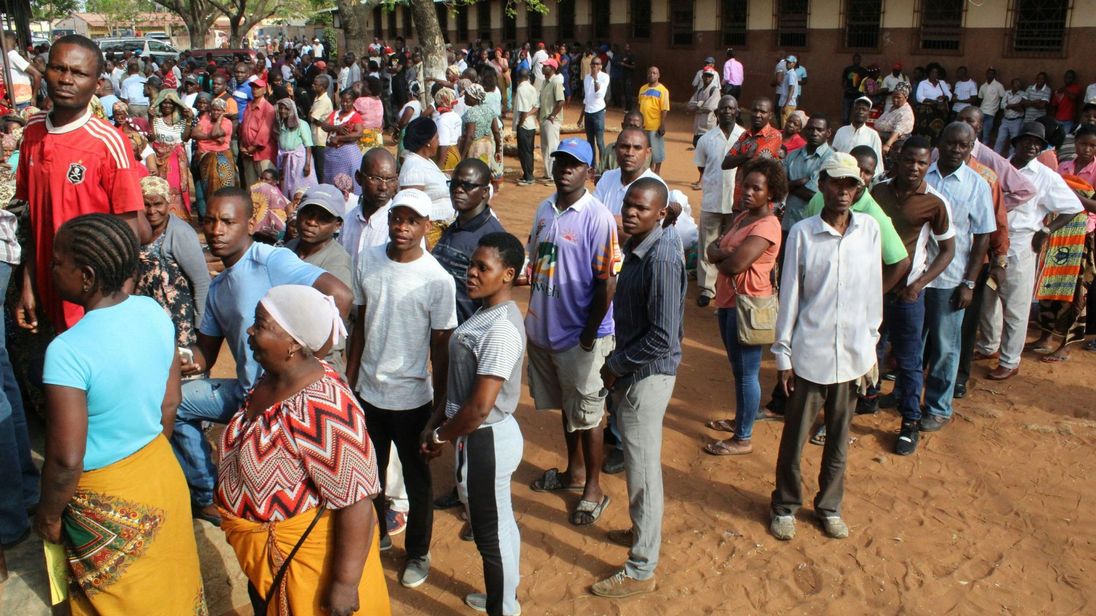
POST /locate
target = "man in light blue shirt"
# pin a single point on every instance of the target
(803, 166)
(949, 294)
(251, 269)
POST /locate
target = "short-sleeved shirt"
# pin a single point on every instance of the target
(971, 204)
(653, 100)
(791, 83)
(525, 101)
(133, 90)
(308, 449)
(892, 248)
(419, 171)
(923, 215)
(20, 79)
(454, 252)
(551, 93)
(610, 191)
(234, 293)
(449, 128)
(490, 343)
(121, 358)
(403, 304)
(717, 183)
(991, 93)
(756, 280)
(802, 164)
(84, 167)
(321, 109)
(1036, 94)
(1066, 102)
(569, 251)
(964, 90)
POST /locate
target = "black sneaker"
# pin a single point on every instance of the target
(703, 300)
(448, 500)
(867, 405)
(888, 401)
(959, 391)
(614, 462)
(932, 423)
(907, 439)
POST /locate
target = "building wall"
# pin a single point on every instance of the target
(984, 44)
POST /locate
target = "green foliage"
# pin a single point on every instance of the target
(120, 13)
(50, 10)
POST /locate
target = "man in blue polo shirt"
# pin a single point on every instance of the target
(251, 269)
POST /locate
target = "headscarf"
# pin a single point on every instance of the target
(169, 95)
(155, 186)
(293, 122)
(10, 142)
(902, 87)
(344, 183)
(802, 115)
(418, 133)
(218, 104)
(307, 315)
(476, 91)
(444, 99)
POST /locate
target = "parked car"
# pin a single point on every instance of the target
(224, 58)
(157, 49)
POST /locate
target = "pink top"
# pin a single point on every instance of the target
(1088, 174)
(220, 144)
(371, 111)
(756, 281)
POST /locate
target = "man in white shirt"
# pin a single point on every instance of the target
(990, 95)
(594, 87)
(133, 91)
(632, 151)
(789, 93)
(717, 200)
(24, 77)
(1027, 233)
(526, 106)
(831, 289)
(891, 82)
(965, 92)
(1037, 98)
(366, 224)
(858, 132)
(538, 60)
(117, 74)
(1012, 106)
(317, 49)
(407, 303)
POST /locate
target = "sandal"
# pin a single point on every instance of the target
(819, 437)
(552, 482)
(722, 425)
(767, 415)
(729, 447)
(695, 186)
(588, 512)
(1054, 358)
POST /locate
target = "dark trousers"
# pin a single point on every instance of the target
(904, 322)
(403, 428)
(526, 137)
(803, 405)
(735, 91)
(970, 328)
(317, 166)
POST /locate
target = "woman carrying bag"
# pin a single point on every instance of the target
(745, 256)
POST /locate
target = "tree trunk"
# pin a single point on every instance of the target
(354, 15)
(431, 41)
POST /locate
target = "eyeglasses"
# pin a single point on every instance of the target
(376, 179)
(464, 185)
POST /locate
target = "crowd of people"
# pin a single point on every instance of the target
(366, 297)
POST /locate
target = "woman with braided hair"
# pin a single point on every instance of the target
(112, 388)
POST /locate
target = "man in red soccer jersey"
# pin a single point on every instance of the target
(73, 163)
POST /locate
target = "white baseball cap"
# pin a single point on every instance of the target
(415, 199)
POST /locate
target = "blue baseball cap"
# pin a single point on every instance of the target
(579, 149)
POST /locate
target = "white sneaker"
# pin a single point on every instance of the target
(478, 602)
(783, 527)
(834, 527)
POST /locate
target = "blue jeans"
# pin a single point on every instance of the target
(215, 400)
(595, 133)
(1067, 125)
(943, 344)
(987, 130)
(1008, 130)
(904, 322)
(746, 365)
(18, 475)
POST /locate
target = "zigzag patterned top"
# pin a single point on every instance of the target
(309, 448)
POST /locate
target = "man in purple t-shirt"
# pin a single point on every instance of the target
(574, 257)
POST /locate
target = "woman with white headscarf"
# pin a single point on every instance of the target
(294, 149)
(298, 469)
(482, 132)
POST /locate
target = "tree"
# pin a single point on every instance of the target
(353, 15)
(120, 13)
(50, 10)
(198, 15)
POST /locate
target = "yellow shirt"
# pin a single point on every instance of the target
(653, 100)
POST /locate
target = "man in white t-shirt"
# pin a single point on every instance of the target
(632, 151)
(526, 105)
(789, 93)
(317, 49)
(857, 132)
(407, 303)
(717, 200)
(990, 95)
(965, 92)
(594, 87)
(24, 77)
(538, 59)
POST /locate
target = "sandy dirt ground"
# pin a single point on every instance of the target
(993, 515)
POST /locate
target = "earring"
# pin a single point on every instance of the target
(291, 354)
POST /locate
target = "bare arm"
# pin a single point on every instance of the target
(173, 395)
(353, 539)
(330, 285)
(472, 414)
(938, 265)
(893, 274)
(439, 364)
(205, 354)
(741, 258)
(66, 440)
(139, 224)
(604, 289)
(354, 349)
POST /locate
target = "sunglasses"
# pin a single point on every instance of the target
(465, 185)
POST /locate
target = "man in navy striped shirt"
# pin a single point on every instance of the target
(640, 373)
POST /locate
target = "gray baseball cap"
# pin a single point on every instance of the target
(326, 196)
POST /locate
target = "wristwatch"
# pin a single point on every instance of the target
(434, 437)
(968, 284)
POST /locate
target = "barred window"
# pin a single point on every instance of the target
(392, 31)
(483, 20)
(681, 23)
(535, 28)
(566, 11)
(601, 18)
(941, 25)
(641, 19)
(509, 26)
(378, 22)
(408, 22)
(1039, 26)
(462, 24)
(733, 21)
(862, 23)
(443, 19)
(791, 22)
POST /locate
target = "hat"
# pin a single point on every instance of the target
(326, 196)
(579, 149)
(864, 99)
(190, 79)
(320, 65)
(791, 59)
(897, 66)
(550, 62)
(258, 83)
(842, 165)
(415, 199)
(709, 60)
(1032, 129)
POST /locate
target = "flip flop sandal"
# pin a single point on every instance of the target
(722, 425)
(588, 512)
(551, 482)
(718, 448)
